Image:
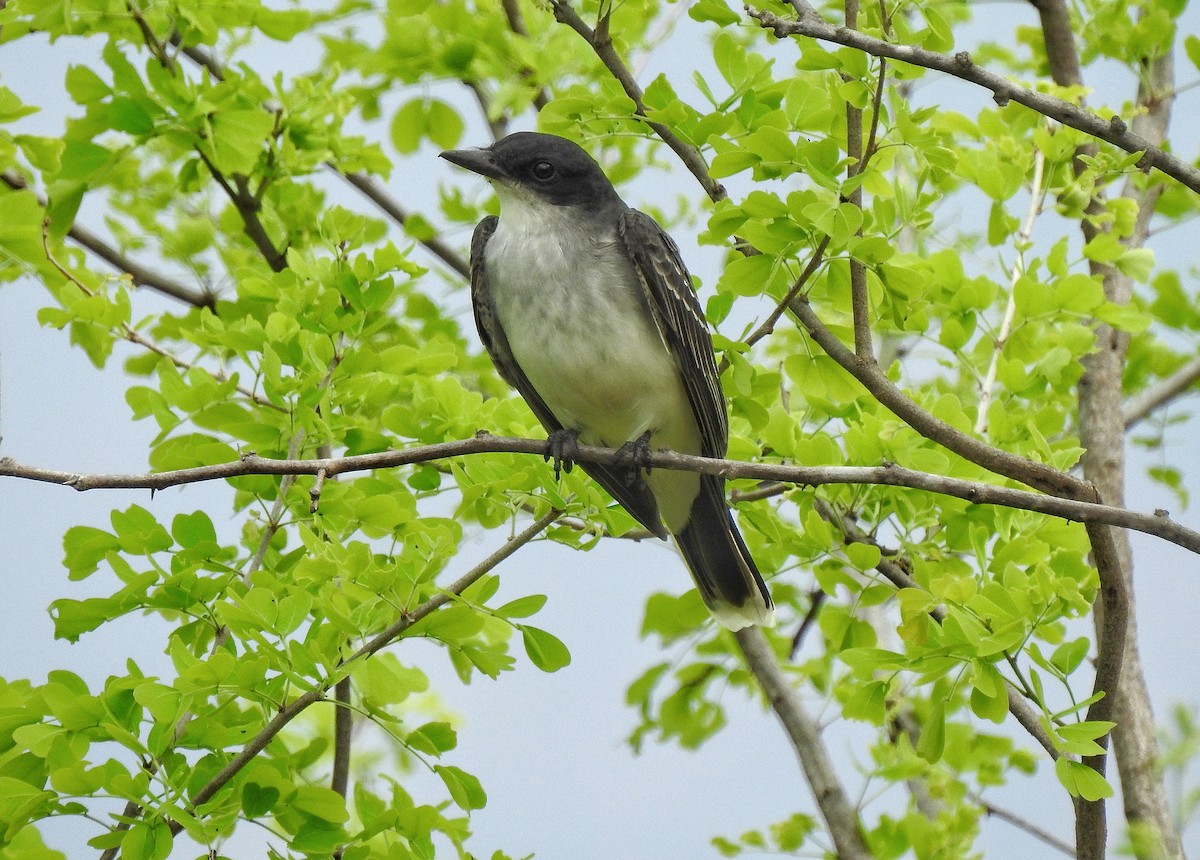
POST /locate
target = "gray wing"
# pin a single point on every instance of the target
(492, 335)
(681, 323)
(628, 487)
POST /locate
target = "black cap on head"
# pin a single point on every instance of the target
(554, 168)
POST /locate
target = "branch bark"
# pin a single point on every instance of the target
(141, 276)
(602, 44)
(365, 184)
(1163, 392)
(1158, 524)
(841, 818)
(1102, 429)
(960, 65)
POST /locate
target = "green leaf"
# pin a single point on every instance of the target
(433, 738)
(863, 556)
(281, 24)
(85, 547)
(139, 532)
(443, 124)
(1191, 44)
(522, 607)
(545, 650)
(932, 741)
(320, 802)
(464, 788)
(85, 86)
(713, 10)
(1080, 780)
(1070, 655)
(237, 139)
(147, 841)
(1081, 738)
(11, 107)
(868, 703)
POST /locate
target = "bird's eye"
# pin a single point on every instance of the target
(543, 171)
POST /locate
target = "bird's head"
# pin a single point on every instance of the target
(528, 167)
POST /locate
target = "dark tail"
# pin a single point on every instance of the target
(717, 556)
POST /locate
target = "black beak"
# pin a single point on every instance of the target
(480, 161)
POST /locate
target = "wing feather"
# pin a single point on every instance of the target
(681, 323)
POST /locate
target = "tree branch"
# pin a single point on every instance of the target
(1158, 524)
(139, 274)
(1021, 823)
(841, 818)
(897, 575)
(343, 729)
(1161, 393)
(960, 65)
(132, 335)
(1037, 192)
(602, 44)
(246, 203)
(860, 303)
(297, 706)
(993, 459)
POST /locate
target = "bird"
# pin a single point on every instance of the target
(586, 308)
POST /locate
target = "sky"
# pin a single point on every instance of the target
(550, 749)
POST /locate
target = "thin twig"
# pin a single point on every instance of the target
(1037, 194)
(602, 44)
(1028, 472)
(378, 195)
(960, 65)
(1024, 824)
(816, 599)
(860, 304)
(516, 23)
(1161, 393)
(768, 325)
(132, 335)
(139, 274)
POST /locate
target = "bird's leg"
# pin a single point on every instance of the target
(562, 446)
(634, 455)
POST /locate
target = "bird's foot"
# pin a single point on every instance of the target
(562, 446)
(634, 455)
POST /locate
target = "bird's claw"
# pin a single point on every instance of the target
(562, 446)
(634, 455)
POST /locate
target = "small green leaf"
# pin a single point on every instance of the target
(546, 651)
(522, 607)
(320, 802)
(433, 738)
(1068, 656)
(868, 703)
(932, 741)
(85, 547)
(1080, 780)
(863, 556)
(464, 788)
(713, 10)
(147, 841)
(238, 137)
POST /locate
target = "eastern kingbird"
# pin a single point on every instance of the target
(588, 311)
